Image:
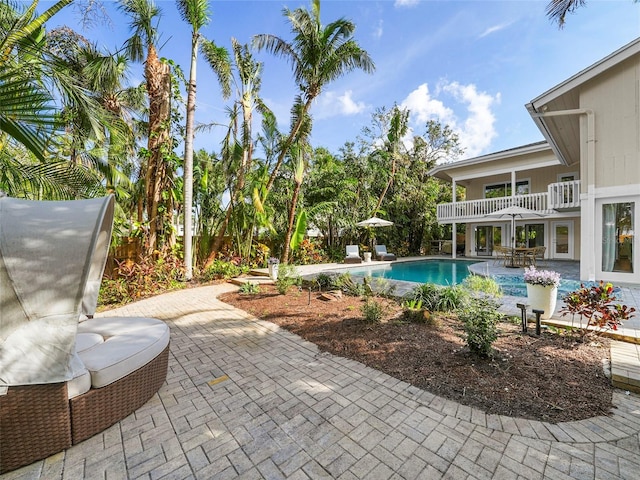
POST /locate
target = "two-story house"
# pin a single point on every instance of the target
(582, 183)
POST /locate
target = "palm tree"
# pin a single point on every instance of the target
(26, 108)
(393, 143)
(318, 55)
(143, 15)
(247, 84)
(299, 152)
(196, 13)
(557, 10)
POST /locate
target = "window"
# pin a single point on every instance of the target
(617, 237)
(530, 235)
(497, 190)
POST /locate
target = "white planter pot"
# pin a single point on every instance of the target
(542, 298)
(273, 271)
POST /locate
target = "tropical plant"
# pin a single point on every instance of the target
(26, 107)
(323, 281)
(486, 285)
(597, 305)
(196, 13)
(249, 288)
(345, 282)
(142, 278)
(238, 147)
(372, 310)
(318, 55)
(480, 322)
(221, 269)
(452, 297)
(287, 278)
(299, 166)
(142, 23)
(393, 146)
(428, 294)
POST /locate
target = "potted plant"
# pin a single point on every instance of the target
(273, 264)
(542, 290)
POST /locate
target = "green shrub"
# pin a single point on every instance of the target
(287, 277)
(345, 283)
(220, 269)
(249, 288)
(373, 311)
(480, 318)
(140, 279)
(323, 281)
(478, 283)
(428, 293)
(112, 291)
(451, 298)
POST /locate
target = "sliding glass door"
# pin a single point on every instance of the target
(618, 237)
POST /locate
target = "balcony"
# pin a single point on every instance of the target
(559, 196)
(564, 195)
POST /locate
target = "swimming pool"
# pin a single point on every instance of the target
(514, 285)
(440, 272)
(450, 272)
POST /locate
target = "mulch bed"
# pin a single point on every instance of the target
(555, 377)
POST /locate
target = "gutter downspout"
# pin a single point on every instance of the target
(588, 252)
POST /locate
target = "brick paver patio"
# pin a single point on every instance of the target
(246, 399)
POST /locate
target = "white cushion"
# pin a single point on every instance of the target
(81, 381)
(85, 341)
(129, 343)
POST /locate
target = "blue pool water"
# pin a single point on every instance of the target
(451, 272)
(514, 285)
(440, 272)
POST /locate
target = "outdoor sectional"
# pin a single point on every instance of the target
(65, 376)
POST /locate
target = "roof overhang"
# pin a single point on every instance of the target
(456, 170)
(557, 111)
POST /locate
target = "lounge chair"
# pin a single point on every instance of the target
(382, 254)
(65, 376)
(353, 254)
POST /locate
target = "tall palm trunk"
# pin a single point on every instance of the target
(158, 78)
(387, 186)
(287, 144)
(188, 160)
(292, 215)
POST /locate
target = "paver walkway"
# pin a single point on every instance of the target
(246, 399)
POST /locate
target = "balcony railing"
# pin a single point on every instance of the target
(560, 195)
(563, 195)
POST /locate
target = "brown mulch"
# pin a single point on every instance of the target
(555, 377)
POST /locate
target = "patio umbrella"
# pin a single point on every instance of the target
(513, 212)
(374, 222)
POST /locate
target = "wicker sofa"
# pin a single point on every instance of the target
(65, 376)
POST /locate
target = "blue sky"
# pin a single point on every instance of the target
(470, 64)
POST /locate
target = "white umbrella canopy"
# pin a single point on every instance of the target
(515, 211)
(374, 222)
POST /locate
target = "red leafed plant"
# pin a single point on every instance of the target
(597, 305)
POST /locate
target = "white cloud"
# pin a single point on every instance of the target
(331, 104)
(406, 3)
(377, 32)
(494, 29)
(475, 131)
